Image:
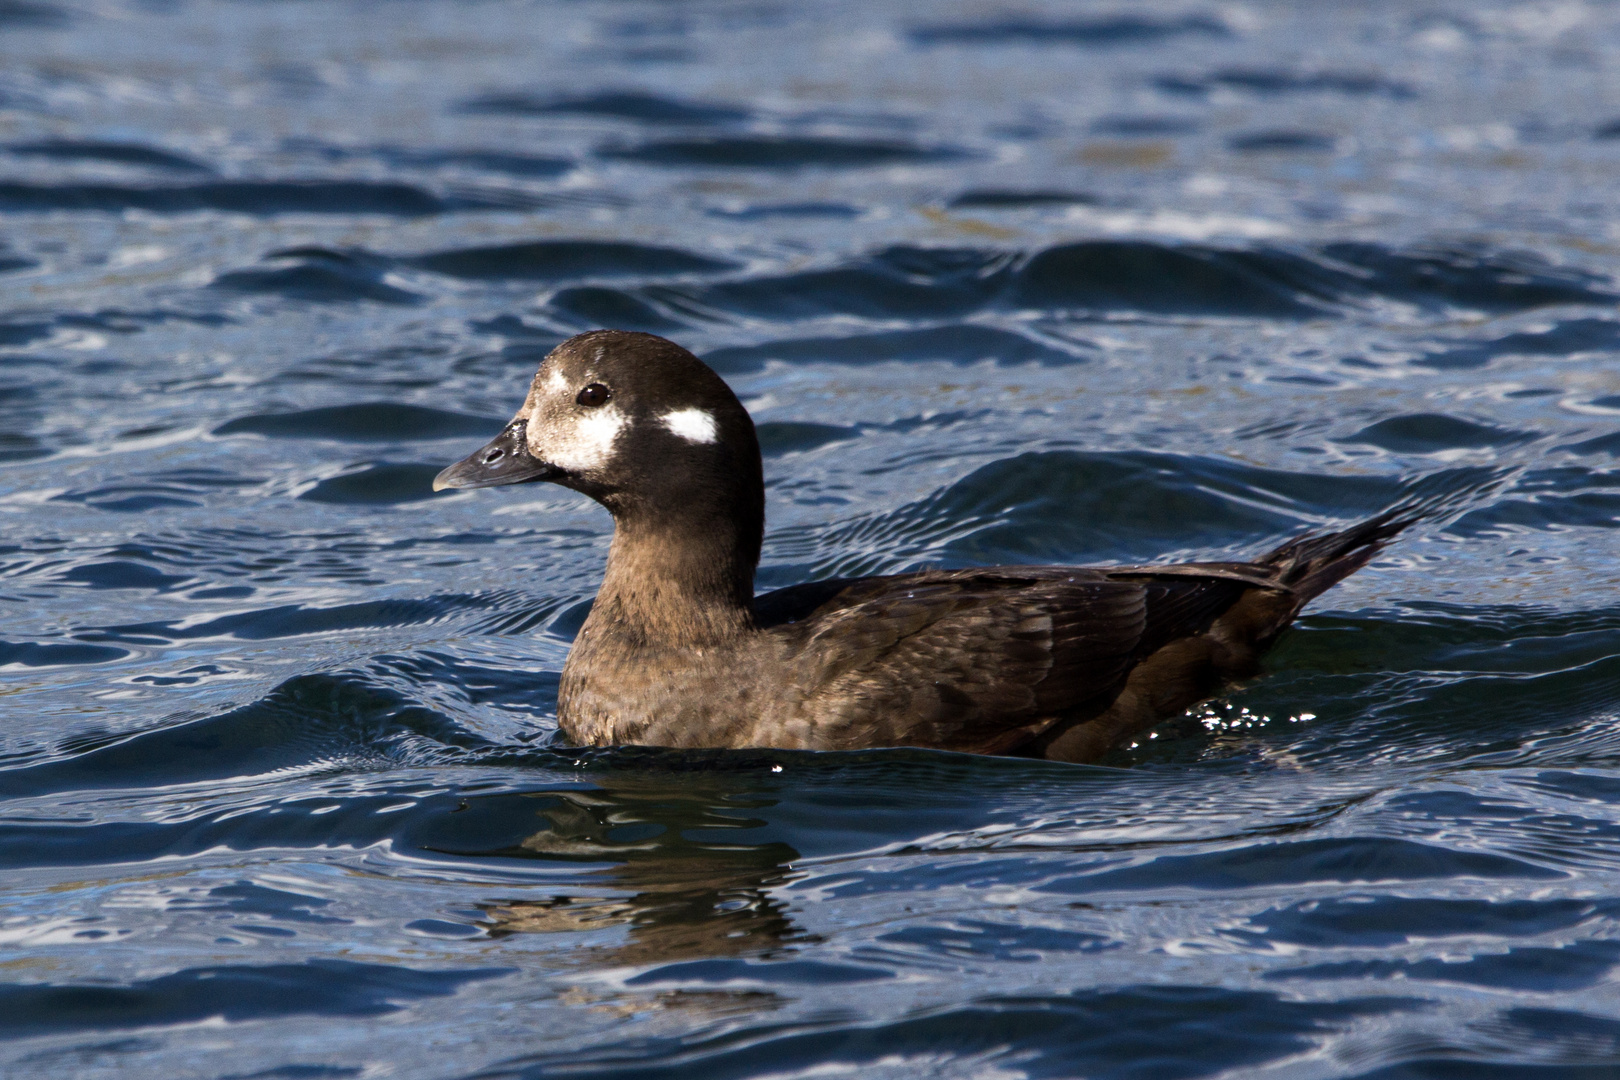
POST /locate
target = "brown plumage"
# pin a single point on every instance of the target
(1046, 661)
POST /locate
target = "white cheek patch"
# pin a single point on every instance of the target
(579, 445)
(693, 425)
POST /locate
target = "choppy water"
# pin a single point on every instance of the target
(279, 794)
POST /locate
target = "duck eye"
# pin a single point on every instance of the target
(593, 395)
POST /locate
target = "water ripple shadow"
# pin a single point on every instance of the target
(115, 153)
(292, 620)
(1351, 859)
(1099, 32)
(1073, 507)
(558, 260)
(1525, 968)
(319, 275)
(1381, 921)
(259, 197)
(234, 993)
(783, 152)
(1277, 82)
(366, 421)
(1155, 278)
(956, 344)
(612, 104)
(308, 721)
(1182, 1031)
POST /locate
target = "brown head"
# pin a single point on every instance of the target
(649, 431)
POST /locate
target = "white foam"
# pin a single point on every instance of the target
(693, 425)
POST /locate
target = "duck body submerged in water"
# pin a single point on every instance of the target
(1040, 661)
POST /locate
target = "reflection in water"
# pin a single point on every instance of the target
(694, 891)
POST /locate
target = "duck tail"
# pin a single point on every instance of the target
(1314, 563)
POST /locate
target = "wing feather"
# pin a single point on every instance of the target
(983, 660)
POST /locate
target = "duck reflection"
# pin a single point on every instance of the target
(696, 887)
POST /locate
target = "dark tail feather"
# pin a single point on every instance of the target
(1313, 564)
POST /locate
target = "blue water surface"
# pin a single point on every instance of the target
(280, 793)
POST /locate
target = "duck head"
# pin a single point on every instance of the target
(643, 427)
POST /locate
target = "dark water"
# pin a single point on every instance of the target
(1001, 283)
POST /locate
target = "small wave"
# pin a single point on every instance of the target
(1468, 277)
(506, 163)
(1185, 279)
(1602, 444)
(116, 153)
(290, 620)
(1284, 141)
(22, 447)
(1275, 82)
(1585, 1046)
(1438, 684)
(1105, 31)
(368, 421)
(502, 162)
(1381, 921)
(895, 282)
(1148, 126)
(1345, 860)
(124, 574)
(766, 211)
(233, 993)
(959, 344)
(1549, 499)
(316, 274)
(1006, 199)
(176, 488)
(24, 332)
(1100, 276)
(259, 197)
(555, 260)
(108, 320)
(381, 483)
(1586, 787)
(49, 654)
(779, 972)
(1525, 968)
(31, 15)
(615, 104)
(1432, 433)
(796, 437)
(590, 306)
(1184, 1031)
(784, 152)
(306, 722)
(973, 940)
(1570, 337)
(1074, 506)
(278, 905)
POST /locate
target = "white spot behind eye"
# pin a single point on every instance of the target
(693, 425)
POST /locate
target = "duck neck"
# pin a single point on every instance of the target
(680, 577)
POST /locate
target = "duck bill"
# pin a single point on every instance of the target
(505, 459)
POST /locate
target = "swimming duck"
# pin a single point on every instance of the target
(1055, 662)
